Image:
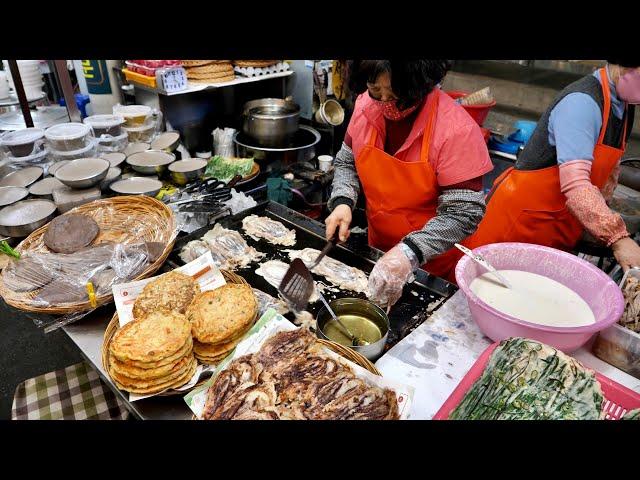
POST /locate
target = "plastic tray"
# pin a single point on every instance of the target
(618, 399)
(139, 78)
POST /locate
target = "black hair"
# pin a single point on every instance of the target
(411, 80)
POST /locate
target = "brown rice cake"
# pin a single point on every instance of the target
(71, 232)
(172, 291)
(227, 78)
(198, 63)
(151, 338)
(211, 68)
(217, 315)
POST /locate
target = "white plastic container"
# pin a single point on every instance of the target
(89, 150)
(68, 137)
(325, 162)
(105, 125)
(22, 143)
(134, 115)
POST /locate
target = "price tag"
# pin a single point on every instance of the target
(172, 79)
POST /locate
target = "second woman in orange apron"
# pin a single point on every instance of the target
(558, 190)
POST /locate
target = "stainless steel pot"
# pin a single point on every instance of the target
(301, 148)
(364, 308)
(270, 121)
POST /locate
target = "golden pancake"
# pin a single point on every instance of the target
(183, 352)
(197, 63)
(180, 381)
(227, 78)
(172, 291)
(182, 367)
(124, 370)
(219, 315)
(213, 350)
(151, 338)
(210, 68)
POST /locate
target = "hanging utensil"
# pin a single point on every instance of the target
(482, 261)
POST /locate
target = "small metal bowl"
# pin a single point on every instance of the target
(44, 188)
(137, 186)
(365, 308)
(188, 170)
(83, 172)
(151, 161)
(24, 217)
(167, 141)
(135, 148)
(10, 195)
(115, 158)
(55, 166)
(22, 178)
(112, 175)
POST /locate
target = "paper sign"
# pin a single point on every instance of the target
(202, 269)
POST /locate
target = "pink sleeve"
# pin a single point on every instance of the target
(587, 204)
(463, 156)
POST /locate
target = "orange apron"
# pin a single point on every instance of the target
(528, 206)
(401, 196)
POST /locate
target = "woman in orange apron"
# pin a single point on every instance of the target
(420, 159)
(551, 197)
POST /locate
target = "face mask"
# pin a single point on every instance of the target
(390, 109)
(628, 87)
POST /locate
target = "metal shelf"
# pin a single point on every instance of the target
(199, 87)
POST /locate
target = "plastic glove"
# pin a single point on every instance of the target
(627, 253)
(389, 276)
(340, 217)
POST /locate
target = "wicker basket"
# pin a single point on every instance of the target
(114, 325)
(124, 219)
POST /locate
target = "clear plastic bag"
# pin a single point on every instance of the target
(81, 281)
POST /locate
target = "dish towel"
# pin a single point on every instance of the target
(73, 393)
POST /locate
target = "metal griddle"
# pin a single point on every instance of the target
(410, 311)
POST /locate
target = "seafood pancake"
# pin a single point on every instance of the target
(218, 315)
(273, 271)
(270, 230)
(192, 250)
(341, 275)
(228, 249)
(154, 337)
(176, 383)
(172, 291)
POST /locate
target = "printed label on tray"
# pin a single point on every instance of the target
(202, 269)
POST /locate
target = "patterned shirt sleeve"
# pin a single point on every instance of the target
(458, 214)
(345, 186)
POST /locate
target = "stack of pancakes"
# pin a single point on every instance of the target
(154, 352)
(254, 63)
(219, 319)
(208, 71)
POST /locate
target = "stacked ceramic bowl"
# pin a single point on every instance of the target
(4, 85)
(31, 78)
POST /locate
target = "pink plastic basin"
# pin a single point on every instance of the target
(600, 292)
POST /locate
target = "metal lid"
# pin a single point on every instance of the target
(46, 186)
(9, 195)
(82, 169)
(165, 140)
(135, 148)
(114, 158)
(22, 178)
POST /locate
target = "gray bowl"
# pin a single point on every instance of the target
(187, 170)
(11, 195)
(83, 172)
(24, 217)
(137, 186)
(44, 188)
(365, 308)
(151, 161)
(112, 175)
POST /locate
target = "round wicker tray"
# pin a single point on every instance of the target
(114, 325)
(123, 219)
(231, 277)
